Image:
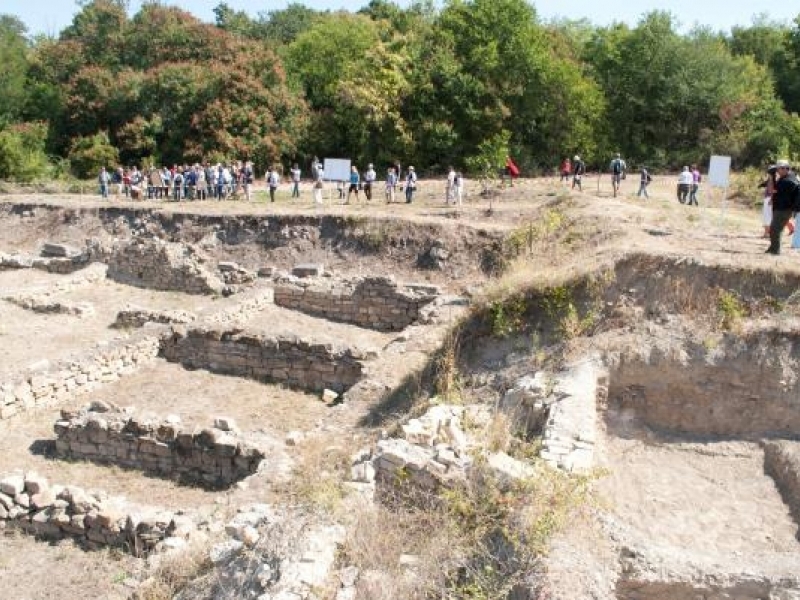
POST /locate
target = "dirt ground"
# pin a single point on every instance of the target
(658, 495)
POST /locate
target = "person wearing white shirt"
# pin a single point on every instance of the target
(685, 181)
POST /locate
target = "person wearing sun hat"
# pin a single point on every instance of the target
(785, 203)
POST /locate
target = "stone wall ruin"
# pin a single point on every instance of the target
(373, 302)
(50, 511)
(211, 457)
(296, 362)
(161, 265)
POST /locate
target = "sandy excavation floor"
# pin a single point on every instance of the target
(22, 332)
(710, 506)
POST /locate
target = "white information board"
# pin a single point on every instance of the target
(719, 170)
(337, 169)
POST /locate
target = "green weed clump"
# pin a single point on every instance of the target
(730, 310)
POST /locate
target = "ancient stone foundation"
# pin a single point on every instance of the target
(133, 317)
(211, 457)
(31, 504)
(63, 381)
(373, 302)
(161, 265)
(293, 361)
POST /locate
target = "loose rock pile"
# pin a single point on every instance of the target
(373, 302)
(213, 457)
(29, 502)
(294, 361)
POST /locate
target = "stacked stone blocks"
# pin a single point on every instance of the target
(373, 302)
(296, 362)
(213, 457)
(78, 376)
(30, 503)
(160, 265)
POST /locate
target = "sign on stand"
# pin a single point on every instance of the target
(719, 171)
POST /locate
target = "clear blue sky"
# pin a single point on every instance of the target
(52, 16)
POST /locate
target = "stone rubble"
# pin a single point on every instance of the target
(570, 433)
(50, 511)
(213, 457)
(134, 317)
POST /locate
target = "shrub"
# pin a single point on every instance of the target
(22, 155)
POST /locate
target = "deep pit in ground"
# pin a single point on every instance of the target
(697, 449)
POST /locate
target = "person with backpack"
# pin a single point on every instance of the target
(785, 202)
(617, 168)
(644, 181)
(578, 169)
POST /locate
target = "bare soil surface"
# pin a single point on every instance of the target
(707, 505)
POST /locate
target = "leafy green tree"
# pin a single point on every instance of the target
(22, 151)
(14, 58)
(355, 84)
(89, 153)
(100, 27)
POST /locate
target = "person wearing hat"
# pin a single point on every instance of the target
(369, 178)
(578, 169)
(411, 184)
(785, 202)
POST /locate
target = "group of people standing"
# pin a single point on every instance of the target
(359, 182)
(181, 182)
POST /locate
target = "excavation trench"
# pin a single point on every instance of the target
(705, 468)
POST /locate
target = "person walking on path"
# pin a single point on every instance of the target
(696, 179)
(273, 179)
(411, 184)
(391, 185)
(355, 183)
(644, 181)
(319, 175)
(104, 179)
(369, 179)
(566, 170)
(450, 187)
(296, 181)
(617, 168)
(685, 180)
(578, 169)
(785, 202)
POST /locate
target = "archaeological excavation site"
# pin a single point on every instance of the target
(525, 402)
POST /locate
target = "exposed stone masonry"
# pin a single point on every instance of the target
(294, 361)
(29, 502)
(77, 376)
(161, 265)
(374, 302)
(211, 457)
(134, 317)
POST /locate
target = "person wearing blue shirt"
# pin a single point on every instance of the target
(355, 179)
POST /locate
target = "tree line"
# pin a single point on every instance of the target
(464, 84)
